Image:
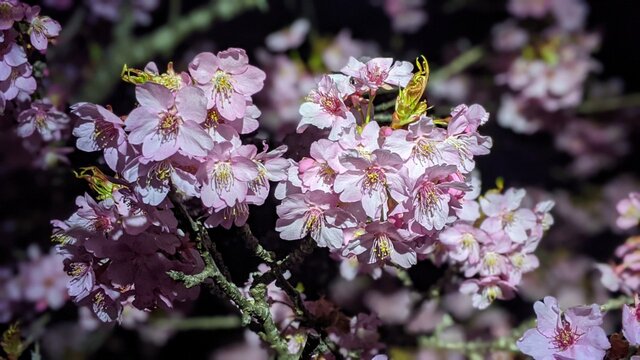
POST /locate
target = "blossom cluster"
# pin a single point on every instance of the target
(545, 71)
(118, 251)
(501, 249)
(399, 193)
(25, 34)
(40, 282)
(184, 136)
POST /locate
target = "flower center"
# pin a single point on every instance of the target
(468, 240)
(222, 83)
(374, 179)
(313, 222)
(376, 75)
(161, 171)
(427, 198)
(425, 149)
(381, 247)
(222, 176)
(103, 133)
(564, 336)
(330, 104)
(169, 125)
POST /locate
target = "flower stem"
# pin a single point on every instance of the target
(609, 104)
(200, 323)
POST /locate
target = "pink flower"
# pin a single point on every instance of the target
(100, 129)
(503, 214)
(44, 118)
(18, 83)
(164, 124)
(431, 198)
(271, 167)
(629, 210)
(463, 242)
(319, 171)
(41, 28)
(153, 179)
(315, 213)
(378, 72)
(573, 334)
(226, 174)
(463, 142)
(368, 180)
(382, 243)
(289, 38)
(227, 79)
(484, 291)
(43, 280)
(421, 144)
(325, 108)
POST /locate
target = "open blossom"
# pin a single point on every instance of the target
(484, 291)
(18, 82)
(504, 214)
(325, 108)
(382, 243)
(378, 72)
(226, 174)
(164, 124)
(100, 129)
(629, 210)
(43, 118)
(227, 80)
(368, 180)
(574, 334)
(315, 213)
(41, 28)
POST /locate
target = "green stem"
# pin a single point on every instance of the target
(459, 64)
(200, 323)
(608, 104)
(162, 41)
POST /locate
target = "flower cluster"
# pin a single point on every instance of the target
(545, 71)
(183, 136)
(501, 249)
(118, 251)
(575, 333)
(41, 282)
(24, 34)
(389, 194)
